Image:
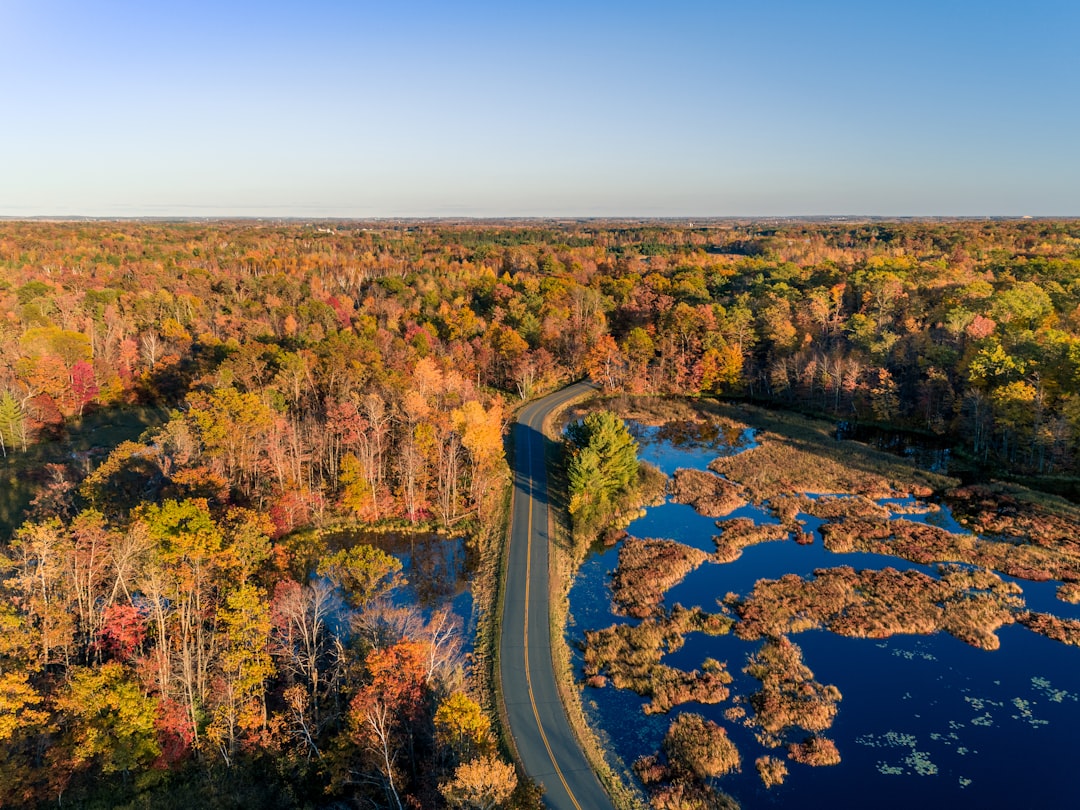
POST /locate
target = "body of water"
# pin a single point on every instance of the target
(924, 720)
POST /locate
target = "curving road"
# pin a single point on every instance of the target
(545, 743)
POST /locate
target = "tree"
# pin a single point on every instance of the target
(19, 705)
(245, 667)
(303, 644)
(603, 462)
(234, 430)
(462, 728)
(480, 784)
(42, 581)
(386, 711)
(363, 572)
(605, 363)
(180, 585)
(481, 436)
(113, 722)
(26, 740)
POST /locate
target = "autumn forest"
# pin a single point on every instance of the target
(191, 412)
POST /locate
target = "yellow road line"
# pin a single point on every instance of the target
(528, 674)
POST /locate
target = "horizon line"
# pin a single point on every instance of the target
(395, 218)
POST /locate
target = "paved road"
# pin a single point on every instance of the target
(538, 722)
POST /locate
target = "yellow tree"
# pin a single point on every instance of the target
(43, 588)
(25, 738)
(480, 784)
(111, 721)
(481, 436)
(180, 583)
(234, 431)
(461, 728)
(245, 667)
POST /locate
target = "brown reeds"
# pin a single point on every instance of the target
(647, 569)
(630, 655)
(970, 605)
(707, 492)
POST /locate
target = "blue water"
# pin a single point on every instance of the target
(436, 571)
(924, 720)
(685, 449)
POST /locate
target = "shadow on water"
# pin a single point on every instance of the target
(927, 452)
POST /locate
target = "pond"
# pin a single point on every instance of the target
(929, 452)
(437, 570)
(924, 719)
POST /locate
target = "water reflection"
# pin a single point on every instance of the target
(437, 568)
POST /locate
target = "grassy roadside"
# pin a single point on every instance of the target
(489, 632)
(563, 567)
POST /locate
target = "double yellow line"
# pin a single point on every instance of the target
(528, 673)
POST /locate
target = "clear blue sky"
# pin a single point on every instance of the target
(394, 108)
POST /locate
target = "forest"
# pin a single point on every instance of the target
(188, 410)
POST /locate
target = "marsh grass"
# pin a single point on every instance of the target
(1018, 514)
(924, 544)
(1067, 631)
(630, 656)
(772, 771)
(796, 454)
(828, 507)
(1069, 592)
(789, 696)
(815, 750)
(970, 605)
(709, 494)
(647, 569)
(696, 751)
(739, 533)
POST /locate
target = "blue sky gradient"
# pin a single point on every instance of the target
(368, 109)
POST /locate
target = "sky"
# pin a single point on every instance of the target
(329, 108)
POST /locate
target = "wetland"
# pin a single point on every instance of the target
(841, 622)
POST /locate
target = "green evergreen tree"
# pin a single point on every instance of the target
(603, 464)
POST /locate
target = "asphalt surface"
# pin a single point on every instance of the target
(545, 743)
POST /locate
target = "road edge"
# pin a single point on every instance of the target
(621, 794)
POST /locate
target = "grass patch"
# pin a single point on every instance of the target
(630, 656)
(816, 750)
(970, 605)
(709, 494)
(1067, 631)
(696, 752)
(798, 455)
(789, 696)
(738, 533)
(925, 544)
(646, 570)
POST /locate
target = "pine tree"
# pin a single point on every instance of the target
(603, 463)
